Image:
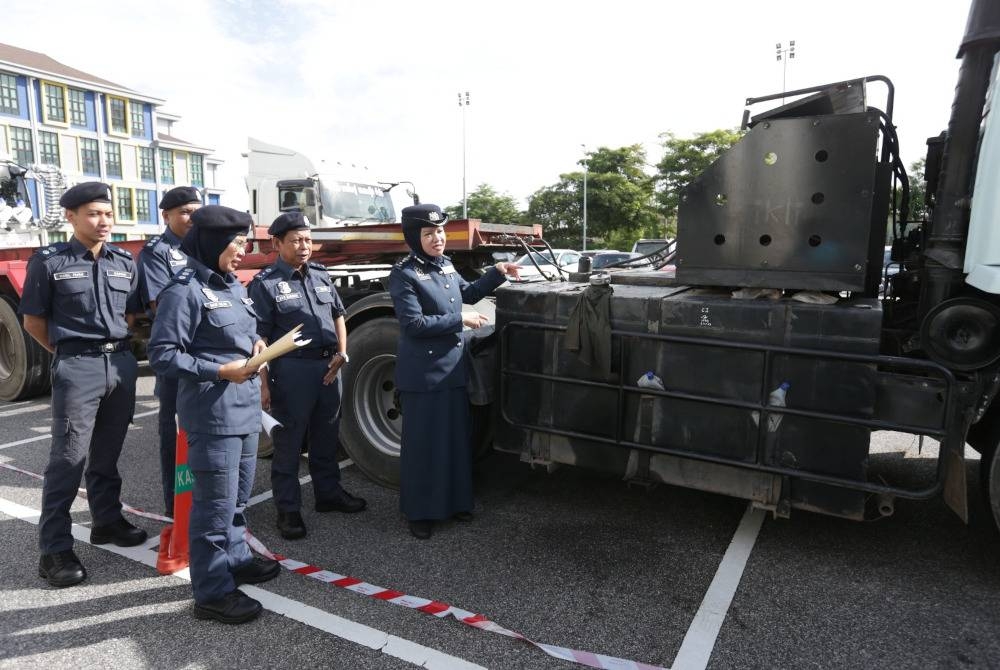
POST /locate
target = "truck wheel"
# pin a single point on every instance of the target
(371, 424)
(989, 469)
(24, 364)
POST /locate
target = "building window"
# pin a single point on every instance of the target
(118, 115)
(8, 95)
(142, 212)
(48, 147)
(78, 107)
(146, 172)
(119, 237)
(55, 103)
(124, 197)
(113, 159)
(90, 160)
(20, 141)
(197, 168)
(138, 120)
(166, 166)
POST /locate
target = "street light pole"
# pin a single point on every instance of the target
(465, 204)
(790, 54)
(586, 166)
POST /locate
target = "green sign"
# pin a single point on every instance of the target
(183, 479)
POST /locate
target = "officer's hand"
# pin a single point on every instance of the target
(259, 346)
(237, 371)
(265, 395)
(336, 362)
(475, 320)
(512, 269)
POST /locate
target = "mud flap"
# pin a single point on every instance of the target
(955, 490)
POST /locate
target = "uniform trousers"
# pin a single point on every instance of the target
(305, 408)
(436, 456)
(223, 468)
(166, 391)
(93, 399)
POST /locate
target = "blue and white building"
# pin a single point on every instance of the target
(94, 129)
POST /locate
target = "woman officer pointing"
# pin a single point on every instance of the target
(427, 293)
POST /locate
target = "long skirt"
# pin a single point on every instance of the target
(436, 458)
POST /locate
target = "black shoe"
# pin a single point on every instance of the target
(234, 607)
(344, 502)
(422, 530)
(121, 532)
(463, 516)
(257, 571)
(291, 526)
(61, 569)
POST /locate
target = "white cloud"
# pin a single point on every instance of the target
(374, 83)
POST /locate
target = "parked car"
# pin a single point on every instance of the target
(602, 259)
(566, 260)
(648, 246)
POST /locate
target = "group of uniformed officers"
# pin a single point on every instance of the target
(79, 302)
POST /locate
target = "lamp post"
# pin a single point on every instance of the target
(788, 53)
(465, 203)
(586, 165)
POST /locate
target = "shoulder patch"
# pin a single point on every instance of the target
(264, 273)
(317, 266)
(401, 263)
(184, 276)
(153, 241)
(121, 252)
(53, 249)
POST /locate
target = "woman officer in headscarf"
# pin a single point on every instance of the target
(204, 332)
(427, 293)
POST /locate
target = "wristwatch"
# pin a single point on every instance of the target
(343, 354)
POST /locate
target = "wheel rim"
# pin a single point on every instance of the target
(6, 352)
(374, 405)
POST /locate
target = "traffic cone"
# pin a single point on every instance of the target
(173, 555)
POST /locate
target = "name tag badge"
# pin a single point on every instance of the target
(290, 296)
(247, 301)
(322, 289)
(119, 273)
(179, 263)
(218, 304)
(448, 270)
(79, 274)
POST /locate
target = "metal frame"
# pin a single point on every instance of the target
(942, 432)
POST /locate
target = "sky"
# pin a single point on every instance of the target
(374, 84)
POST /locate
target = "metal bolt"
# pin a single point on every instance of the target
(767, 124)
(857, 267)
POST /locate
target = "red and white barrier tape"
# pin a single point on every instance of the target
(442, 610)
(425, 605)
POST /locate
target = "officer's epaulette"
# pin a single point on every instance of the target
(53, 249)
(118, 250)
(184, 276)
(403, 261)
(263, 274)
(152, 241)
(317, 266)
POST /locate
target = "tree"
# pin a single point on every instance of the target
(918, 192)
(683, 161)
(620, 203)
(487, 205)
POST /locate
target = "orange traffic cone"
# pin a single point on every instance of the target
(173, 554)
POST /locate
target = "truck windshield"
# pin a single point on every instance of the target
(356, 202)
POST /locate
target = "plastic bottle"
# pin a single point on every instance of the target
(650, 381)
(776, 399)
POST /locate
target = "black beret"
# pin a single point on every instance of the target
(81, 194)
(181, 195)
(422, 216)
(288, 221)
(217, 218)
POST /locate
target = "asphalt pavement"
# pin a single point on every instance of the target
(569, 558)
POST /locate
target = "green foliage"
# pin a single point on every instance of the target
(487, 205)
(620, 205)
(684, 160)
(918, 192)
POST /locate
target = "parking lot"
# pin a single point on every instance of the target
(665, 577)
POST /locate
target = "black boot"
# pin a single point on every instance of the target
(234, 607)
(257, 571)
(61, 569)
(290, 525)
(121, 532)
(422, 530)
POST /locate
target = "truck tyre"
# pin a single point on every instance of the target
(24, 364)
(371, 423)
(989, 470)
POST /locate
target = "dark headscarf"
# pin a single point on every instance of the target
(213, 227)
(416, 218)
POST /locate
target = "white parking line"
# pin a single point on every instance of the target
(23, 410)
(46, 436)
(267, 495)
(700, 639)
(346, 629)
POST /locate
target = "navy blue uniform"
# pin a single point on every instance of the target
(160, 260)
(84, 301)
(435, 462)
(203, 321)
(284, 298)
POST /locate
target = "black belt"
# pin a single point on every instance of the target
(91, 347)
(312, 352)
